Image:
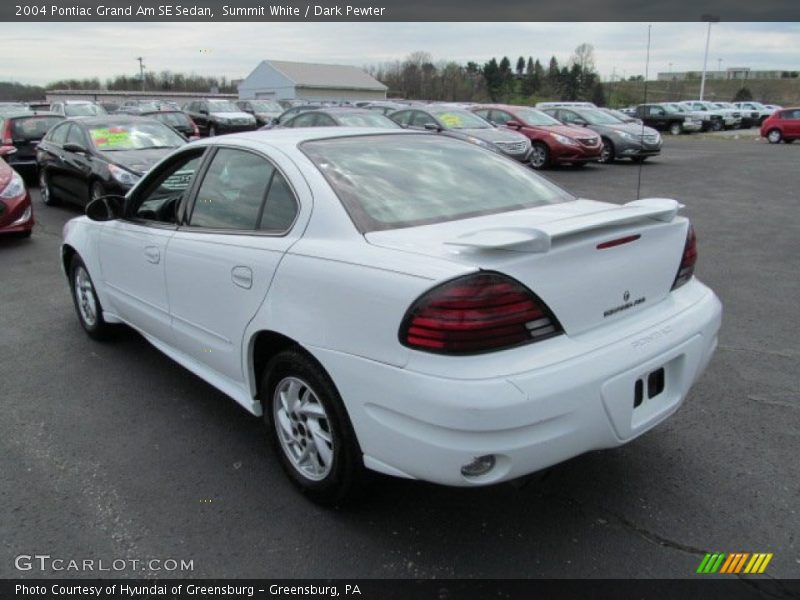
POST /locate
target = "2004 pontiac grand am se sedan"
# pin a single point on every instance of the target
(401, 302)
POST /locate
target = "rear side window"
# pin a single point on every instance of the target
(394, 181)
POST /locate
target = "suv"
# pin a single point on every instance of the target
(664, 118)
(553, 143)
(731, 119)
(215, 116)
(782, 125)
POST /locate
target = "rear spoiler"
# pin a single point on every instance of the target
(539, 239)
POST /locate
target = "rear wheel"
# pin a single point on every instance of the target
(45, 191)
(540, 155)
(608, 153)
(774, 136)
(310, 429)
(87, 304)
(675, 128)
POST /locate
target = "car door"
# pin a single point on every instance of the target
(792, 123)
(77, 166)
(50, 156)
(132, 249)
(221, 261)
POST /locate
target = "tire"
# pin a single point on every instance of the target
(785, 141)
(45, 191)
(675, 128)
(315, 442)
(608, 153)
(212, 131)
(717, 125)
(774, 136)
(96, 190)
(87, 304)
(540, 156)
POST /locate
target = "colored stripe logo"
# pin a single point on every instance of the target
(734, 563)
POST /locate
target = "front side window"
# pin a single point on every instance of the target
(421, 119)
(233, 191)
(59, 134)
(75, 136)
(394, 181)
(161, 198)
(303, 120)
(501, 117)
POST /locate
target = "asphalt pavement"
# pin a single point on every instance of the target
(112, 451)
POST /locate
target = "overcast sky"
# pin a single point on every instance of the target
(38, 53)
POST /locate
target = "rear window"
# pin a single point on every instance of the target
(395, 181)
(32, 128)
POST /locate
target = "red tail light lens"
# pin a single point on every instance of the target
(688, 260)
(7, 139)
(477, 313)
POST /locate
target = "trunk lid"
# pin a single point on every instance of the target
(553, 250)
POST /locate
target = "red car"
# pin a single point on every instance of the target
(553, 142)
(16, 210)
(783, 124)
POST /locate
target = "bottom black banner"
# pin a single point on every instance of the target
(388, 589)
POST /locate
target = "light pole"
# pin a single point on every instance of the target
(141, 70)
(709, 19)
(719, 67)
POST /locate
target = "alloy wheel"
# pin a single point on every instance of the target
(44, 187)
(303, 428)
(84, 295)
(538, 156)
(774, 136)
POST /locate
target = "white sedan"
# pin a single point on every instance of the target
(401, 302)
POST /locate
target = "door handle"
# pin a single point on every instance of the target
(152, 254)
(242, 276)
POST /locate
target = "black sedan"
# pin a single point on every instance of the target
(342, 117)
(23, 131)
(82, 159)
(178, 120)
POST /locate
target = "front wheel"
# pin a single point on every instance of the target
(45, 191)
(774, 136)
(607, 154)
(717, 125)
(310, 429)
(540, 155)
(675, 128)
(87, 304)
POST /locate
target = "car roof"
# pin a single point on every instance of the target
(291, 137)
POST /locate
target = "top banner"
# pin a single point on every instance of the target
(401, 10)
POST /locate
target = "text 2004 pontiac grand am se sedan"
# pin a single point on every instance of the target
(401, 302)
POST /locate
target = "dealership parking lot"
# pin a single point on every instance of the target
(112, 451)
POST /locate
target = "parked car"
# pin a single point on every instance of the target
(401, 302)
(747, 118)
(178, 120)
(265, 111)
(142, 105)
(86, 158)
(553, 143)
(565, 104)
(663, 118)
(341, 117)
(709, 121)
(215, 117)
(782, 125)
(77, 108)
(23, 131)
(620, 140)
(756, 109)
(730, 119)
(16, 209)
(467, 126)
(12, 108)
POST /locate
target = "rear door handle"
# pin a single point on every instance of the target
(242, 276)
(152, 254)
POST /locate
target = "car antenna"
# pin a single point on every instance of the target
(646, 70)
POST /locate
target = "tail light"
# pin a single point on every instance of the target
(688, 260)
(8, 139)
(194, 126)
(477, 313)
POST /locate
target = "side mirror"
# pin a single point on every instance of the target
(514, 124)
(580, 123)
(105, 208)
(432, 127)
(77, 148)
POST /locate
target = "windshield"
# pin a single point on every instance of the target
(535, 117)
(366, 120)
(395, 181)
(84, 110)
(459, 119)
(273, 107)
(32, 128)
(134, 136)
(174, 119)
(597, 117)
(219, 106)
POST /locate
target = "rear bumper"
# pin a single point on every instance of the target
(427, 427)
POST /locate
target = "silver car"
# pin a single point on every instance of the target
(620, 140)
